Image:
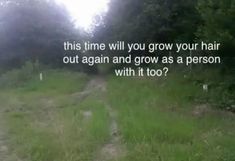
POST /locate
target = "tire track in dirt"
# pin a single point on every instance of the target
(5, 154)
(3, 147)
(113, 149)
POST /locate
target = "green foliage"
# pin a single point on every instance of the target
(221, 88)
(218, 25)
(156, 117)
(148, 21)
(56, 81)
(17, 77)
(160, 121)
(34, 30)
(218, 19)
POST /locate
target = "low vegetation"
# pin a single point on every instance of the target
(46, 120)
(159, 119)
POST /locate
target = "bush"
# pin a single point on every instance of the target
(221, 88)
(17, 77)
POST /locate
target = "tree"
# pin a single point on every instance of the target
(218, 25)
(34, 30)
(150, 20)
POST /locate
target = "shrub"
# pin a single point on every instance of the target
(17, 77)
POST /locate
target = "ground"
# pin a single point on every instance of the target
(74, 117)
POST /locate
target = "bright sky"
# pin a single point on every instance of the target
(84, 11)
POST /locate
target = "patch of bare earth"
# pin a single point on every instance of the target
(3, 147)
(205, 109)
(113, 149)
(97, 84)
(5, 154)
(86, 115)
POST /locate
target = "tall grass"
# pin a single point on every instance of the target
(157, 121)
(45, 119)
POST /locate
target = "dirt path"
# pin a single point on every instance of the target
(97, 84)
(3, 147)
(5, 154)
(113, 149)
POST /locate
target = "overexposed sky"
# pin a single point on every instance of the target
(84, 11)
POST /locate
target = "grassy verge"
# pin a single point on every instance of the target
(158, 118)
(159, 121)
(46, 121)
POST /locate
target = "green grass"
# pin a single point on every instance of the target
(157, 121)
(48, 121)
(56, 81)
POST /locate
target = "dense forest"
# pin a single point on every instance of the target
(37, 29)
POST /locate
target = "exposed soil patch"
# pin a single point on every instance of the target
(86, 115)
(5, 154)
(113, 149)
(96, 84)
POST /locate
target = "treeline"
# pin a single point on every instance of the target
(33, 31)
(36, 29)
(172, 21)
